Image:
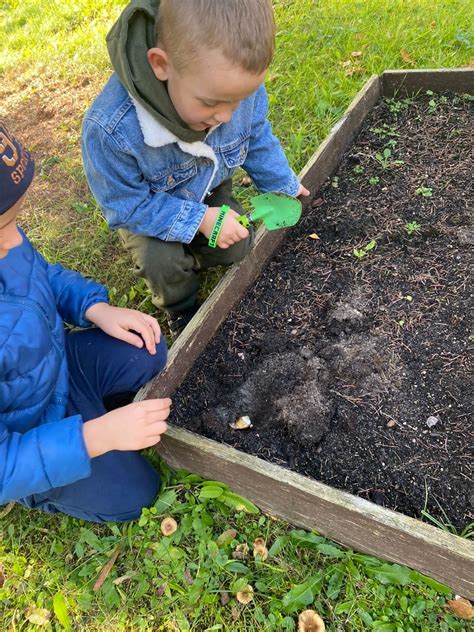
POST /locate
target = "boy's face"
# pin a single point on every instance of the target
(208, 91)
(10, 236)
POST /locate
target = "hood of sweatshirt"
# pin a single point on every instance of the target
(128, 43)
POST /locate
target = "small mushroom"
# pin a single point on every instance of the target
(168, 526)
(260, 549)
(242, 423)
(246, 595)
(310, 621)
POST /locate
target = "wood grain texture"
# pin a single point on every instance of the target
(348, 519)
(409, 82)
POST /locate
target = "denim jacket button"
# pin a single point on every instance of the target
(170, 181)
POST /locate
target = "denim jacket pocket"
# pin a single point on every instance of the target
(235, 155)
(172, 177)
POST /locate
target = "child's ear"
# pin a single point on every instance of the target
(159, 63)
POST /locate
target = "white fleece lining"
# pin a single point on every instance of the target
(156, 135)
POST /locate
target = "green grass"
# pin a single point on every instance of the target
(326, 51)
(181, 582)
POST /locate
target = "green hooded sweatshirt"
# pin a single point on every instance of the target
(128, 43)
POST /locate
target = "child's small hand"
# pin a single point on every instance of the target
(231, 231)
(133, 427)
(121, 323)
(303, 191)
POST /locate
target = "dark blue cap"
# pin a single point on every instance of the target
(16, 169)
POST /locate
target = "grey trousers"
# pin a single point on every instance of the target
(171, 268)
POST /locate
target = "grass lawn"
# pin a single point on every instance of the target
(52, 63)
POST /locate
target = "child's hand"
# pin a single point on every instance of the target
(231, 231)
(133, 427)
(121, 323)
(302, 191)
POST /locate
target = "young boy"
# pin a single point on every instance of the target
(185, 108)
(51, 382)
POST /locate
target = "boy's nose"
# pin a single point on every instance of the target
(223, 116)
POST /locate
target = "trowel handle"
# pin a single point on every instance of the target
(244, 220)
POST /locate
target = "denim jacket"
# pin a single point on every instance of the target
(150, 182)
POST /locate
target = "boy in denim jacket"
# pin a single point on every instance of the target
(60, 450)
(185, 108)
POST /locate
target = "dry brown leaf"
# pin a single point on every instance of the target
(188, 577)
(314, 236)
(168, 526)
(356, 53)
(406, 58)
(391, 423)
(260, 548)
(471, 63)
(432, 25)
(224, 597)
(226, 537)
(310, 621)
(104, 573)
(160, 591)
(461, 607)
(2, 576)
(245, 596)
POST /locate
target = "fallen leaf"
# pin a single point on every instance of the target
(226, 537)
(168, 526)
(245, 596)
(107, 568)
(123, 578)
(314, 236)
(6, 510)
(406, 58)
(471, 63)
(224, 598)
(160, 591)
(462, 608)
(391, 424)
(356, 53)
(188, 577)
(2, 576)
(310, 621)
(38, 616)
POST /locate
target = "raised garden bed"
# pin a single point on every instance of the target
(349, 352)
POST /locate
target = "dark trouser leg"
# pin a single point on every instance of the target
(171, 268)
(121, 483)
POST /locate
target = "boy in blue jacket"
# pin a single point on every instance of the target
(185, 108)
(52, 382)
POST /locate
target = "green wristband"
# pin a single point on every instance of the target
(216, 229)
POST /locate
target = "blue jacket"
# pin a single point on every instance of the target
(39, 448)
(149, 181)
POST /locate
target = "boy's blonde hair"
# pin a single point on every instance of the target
(242, 30)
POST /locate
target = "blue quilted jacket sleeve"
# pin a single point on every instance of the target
(48, 456)
(74, 294)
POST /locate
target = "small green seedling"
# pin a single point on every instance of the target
(373, 180)
(358, 169)
(424, 191)
(385, 131)
(408, 298)
(385, 159)
(396, 106)
(361, 252)
(412, 227)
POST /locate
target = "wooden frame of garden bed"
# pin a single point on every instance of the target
(299, 500)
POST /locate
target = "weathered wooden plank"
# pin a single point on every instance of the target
(233, 286)
(306, 503)
(409, 82)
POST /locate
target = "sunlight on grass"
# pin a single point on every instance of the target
(326, 51)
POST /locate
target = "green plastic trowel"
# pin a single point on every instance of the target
(275, 210)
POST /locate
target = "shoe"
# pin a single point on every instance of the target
(177, 321)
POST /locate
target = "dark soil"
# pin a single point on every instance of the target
(353, 371)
